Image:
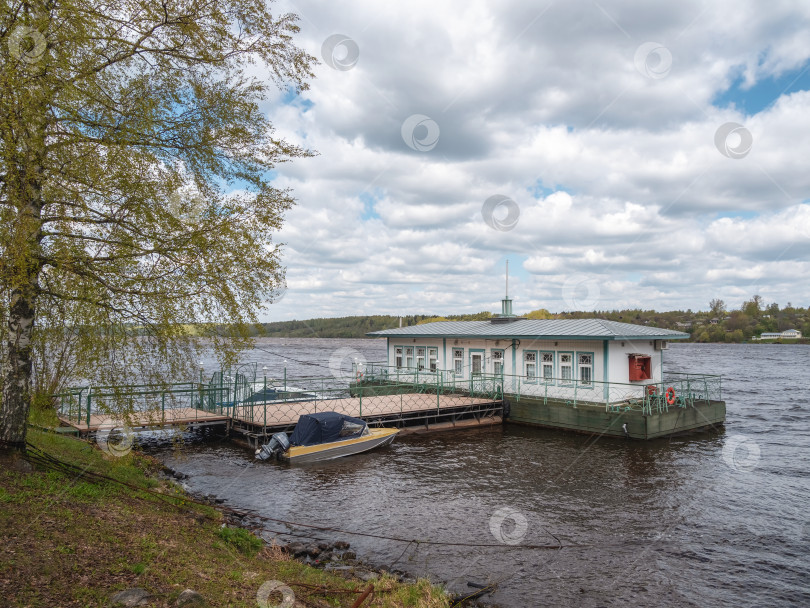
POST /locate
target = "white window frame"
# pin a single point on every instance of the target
(530, 364)
(482, 356)
(409, 357)
(421, 357)
(566, 367)
(433, 358)
(398, 352)
(585, 369)
(458, 361)
(497, 362)
(547, 365)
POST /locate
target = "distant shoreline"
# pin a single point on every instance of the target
(701, 327)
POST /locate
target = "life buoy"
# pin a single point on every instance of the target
(670, 396)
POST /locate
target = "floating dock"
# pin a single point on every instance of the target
(677, 404)
(592, 375)
(412, 400)
(235, 405)
(700, 415)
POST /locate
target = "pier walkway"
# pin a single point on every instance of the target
(258, 408)
(407, 398)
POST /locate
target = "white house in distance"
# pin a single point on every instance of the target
(790, 334)
(561, 355)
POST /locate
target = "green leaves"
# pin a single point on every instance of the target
(133, 186)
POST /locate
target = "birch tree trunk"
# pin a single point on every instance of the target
(17, 375)
(136, 185)
(22, 268)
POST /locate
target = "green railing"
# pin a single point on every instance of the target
(271, 401)
(426, 380)
(673, 390)
(80, 403)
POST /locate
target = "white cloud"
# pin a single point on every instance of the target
(616, 175)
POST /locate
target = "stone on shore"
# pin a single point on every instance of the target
(130, 597)
(189, 597)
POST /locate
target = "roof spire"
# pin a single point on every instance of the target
(507, 278)
(506, 303)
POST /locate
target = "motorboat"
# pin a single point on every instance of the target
(276, 394)
(324, 436)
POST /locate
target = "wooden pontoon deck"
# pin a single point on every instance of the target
(179, 416)
(283, 414)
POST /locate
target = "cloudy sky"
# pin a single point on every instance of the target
(617, 155)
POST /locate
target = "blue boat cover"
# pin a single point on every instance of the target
(324, 427)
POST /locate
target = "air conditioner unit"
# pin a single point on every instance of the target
(661, 345)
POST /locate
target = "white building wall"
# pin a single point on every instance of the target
(514, 368)
(559, 388)
(617, 364)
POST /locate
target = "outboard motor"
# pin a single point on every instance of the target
(278, 444)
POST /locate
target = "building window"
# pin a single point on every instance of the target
(398, 356)
(477, 363)
(433, 359)
(530, 365)
(458, 361)
(547, 367)
(585, 364)
(566, 367)
(420, 358)
(497, 362)
(409, 357)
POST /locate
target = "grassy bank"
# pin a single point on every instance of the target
(75, 540)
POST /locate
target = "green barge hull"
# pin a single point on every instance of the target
(625, 420)
(701, 415)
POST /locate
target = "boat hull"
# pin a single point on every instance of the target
(337, 449)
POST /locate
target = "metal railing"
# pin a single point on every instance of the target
(371, 390)
(272, 401)
(673, 390)
(79, 404)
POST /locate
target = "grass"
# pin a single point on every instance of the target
(241, 540)
(72, 541)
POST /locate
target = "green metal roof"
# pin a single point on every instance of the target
(540, 329)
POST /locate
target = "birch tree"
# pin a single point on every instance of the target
(136, 189)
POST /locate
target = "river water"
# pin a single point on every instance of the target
(706, 520)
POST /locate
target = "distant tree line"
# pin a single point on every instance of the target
(718, 324)
(352, 327)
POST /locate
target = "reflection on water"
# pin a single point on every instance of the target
(667, 523)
